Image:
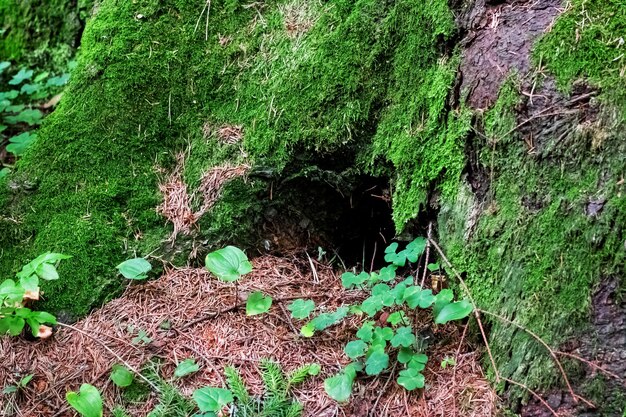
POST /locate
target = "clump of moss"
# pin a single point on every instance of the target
(587, 42)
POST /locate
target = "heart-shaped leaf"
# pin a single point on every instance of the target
(258, 303)
(212, 399)
(186, 367)
(454, 311)
(121, 376)
(339, 387)
(377, 361)
(11, 292)
(404, 337)
(22, 75)
(228, 264)
(411, 379)
(301, 309)
(415, 296)
(326, 320)
(87, 402)
(442, 299)
(136, 268)
(18, 144)
(355, 349)
(350, 280)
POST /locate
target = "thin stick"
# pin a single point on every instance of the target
(382, 391)
(119, 358)
(430, 231)
(540, 340)
(458, 351)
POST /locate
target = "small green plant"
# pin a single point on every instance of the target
(87, 402)
(186, 367)
(22, 99)
(229, 264)
(378, 345)
(448, 361)
(141, 338)
(121, 376)
(15, 294)
(21, 384)
(136, 268)
(277, 401)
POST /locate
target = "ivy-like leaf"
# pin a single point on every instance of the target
(454, 311)
(301, 309)
(258, 303)
(404, 337)
(22, 75)
(228, 264)
(212, 399)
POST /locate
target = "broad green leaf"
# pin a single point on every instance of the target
(15, 108)
(404, 337)
(372, 305)
(59, 81)
(388, 273)
(258, 303)
(10, 95)
(350, 280)
(39, 78)
(454, 311)
(18, 144)
(392, 248)
(228, 264)
(398, 317)
(47, 271)
(11, 292)
(307, 330)
(30, 283)
(12, 325)
(48, 257)
(384, 292)
(415, 249)
(416, 296)
(355, 349)
(87, 401)
(4, 65)
(339, 387)
(382, 335)
(398, 293)
(43, 317)
(121, 376)
(301, 309)
(25, 380)
(405, 355)
(442, 299)
(4, 171)
(212, 399)
(22, 75)
(30, 88)
(326, 320)
(366, 332)
(136, 268)
(29, 116)
(411, 379)
(433, 267)
(376, 362)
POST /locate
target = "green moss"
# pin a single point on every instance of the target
(587, 42)
(336, 92)
(40, 33)
(535, 255)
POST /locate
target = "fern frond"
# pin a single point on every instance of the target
(236, 385)
(299, 375)
(294, 410)
(275, 382)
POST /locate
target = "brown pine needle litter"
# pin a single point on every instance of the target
(180, 313)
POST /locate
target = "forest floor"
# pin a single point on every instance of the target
(187, 313)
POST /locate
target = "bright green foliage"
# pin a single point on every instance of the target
(18, 144)
(325, 320)
(186, 367)
(376, 361)
(301, 309)
(136, 268)
(228, 263)
(339, 387)
(418, 297)
(121, 376)
(587, 41)
(212, 399)
(411, 379)
(14, 294)
(404, 337)
(349, 279)
(87, 402)
(454, 311)
(258, 303)
(355, 349)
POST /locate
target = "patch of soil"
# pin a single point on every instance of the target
(203, 324)
(499, 40)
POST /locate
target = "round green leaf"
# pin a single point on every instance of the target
(366, 332)
(121, 376)
(301, 309)
(87, 402)
(355, 349)
(454, 311)
(415, 296)
(212, 399)
(349, 280)
(442, 299)
(258, 303)
(136, 268)
(186, 367)
(376, 362)
(307, 330)
(404, 337)
(228, 264)
(411, 379)
(339, 387)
